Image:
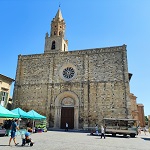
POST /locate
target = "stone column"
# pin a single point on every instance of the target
(76, 114)
(57, 117)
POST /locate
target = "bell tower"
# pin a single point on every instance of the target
(56, 42)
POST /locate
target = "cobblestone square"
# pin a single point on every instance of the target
(58, 140)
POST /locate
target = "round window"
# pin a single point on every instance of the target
(68, 72)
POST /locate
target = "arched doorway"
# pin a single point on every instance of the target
(66, 103)
(67, 113)
(67, 116)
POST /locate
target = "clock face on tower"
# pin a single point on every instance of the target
(68, 72)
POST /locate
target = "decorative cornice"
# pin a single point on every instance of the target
(76, 52)
(6, 78)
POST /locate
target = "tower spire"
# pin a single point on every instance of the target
(56, 41)
(59, 15)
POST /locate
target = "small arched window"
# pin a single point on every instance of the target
(53, 45)
(54, 32)
(59, 32)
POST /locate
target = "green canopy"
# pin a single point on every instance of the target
(5, 113)
(21, 113)
(35, 115)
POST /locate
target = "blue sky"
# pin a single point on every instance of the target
(89, 24)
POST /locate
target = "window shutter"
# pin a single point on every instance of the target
(6, 99)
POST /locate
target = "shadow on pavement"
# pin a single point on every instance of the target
(69, 130)
(107, 135)
(4, 145)
(146, 139)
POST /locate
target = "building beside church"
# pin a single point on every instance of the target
(5, 86)
(137, 111)
(78, 87)
(141, 116)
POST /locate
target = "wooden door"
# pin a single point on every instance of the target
(67, 115)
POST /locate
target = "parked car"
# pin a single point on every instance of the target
(2, 131)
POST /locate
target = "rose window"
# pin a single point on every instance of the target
(68, 72)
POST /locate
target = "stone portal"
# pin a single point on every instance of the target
(66, 110)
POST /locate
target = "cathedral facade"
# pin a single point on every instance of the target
(78, 87)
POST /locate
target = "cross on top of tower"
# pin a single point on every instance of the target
(59, 4)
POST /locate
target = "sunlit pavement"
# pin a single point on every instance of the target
(58, 140)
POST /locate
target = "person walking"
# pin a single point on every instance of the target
(102, 132)
(14, 127)
(96, 129)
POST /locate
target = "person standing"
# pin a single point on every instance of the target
(66, 129)
(139, 130)
(102, 132)
(96, 129)
(144, 129)
(14, 128)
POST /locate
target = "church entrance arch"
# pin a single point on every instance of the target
(67, 116)
(67, 113)
(66, 110)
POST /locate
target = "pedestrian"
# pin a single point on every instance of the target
(27, 139)
(29, 126)
(139, 130)
(144, 129)
(102, 132)
(96, 129)
(66, 129)
(14, 128)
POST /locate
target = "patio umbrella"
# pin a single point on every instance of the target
(21, 113)
(5, 113)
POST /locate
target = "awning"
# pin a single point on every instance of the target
(35, 115)
(21, 113)
(5, 113)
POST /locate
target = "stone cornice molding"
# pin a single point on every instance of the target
(76, 52)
